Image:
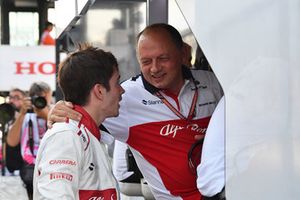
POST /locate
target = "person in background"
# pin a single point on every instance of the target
(46, 38)
(161, 112)
(201, 60)
(72, 163)
(25, 134)
(188, 52)
(16, 97)
(211, 171)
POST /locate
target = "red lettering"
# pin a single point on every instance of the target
(46, 68)
(61, 175)
(29, 67)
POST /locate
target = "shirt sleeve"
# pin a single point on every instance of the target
(58, 166)
(211, 171)
(216, 86)
(120, 168)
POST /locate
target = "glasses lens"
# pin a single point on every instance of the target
(14, 98)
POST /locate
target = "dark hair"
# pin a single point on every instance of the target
(18, 90)
(174, 34)
(47, 24)
(38, 88)
(84, 68)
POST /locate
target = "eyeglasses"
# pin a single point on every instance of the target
(14, 98)
(194, 155)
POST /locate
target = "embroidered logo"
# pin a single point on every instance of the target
(151, 102)
(171, 129)
(207, 103)
(92, 166)
(62, 162)
(102, 198)
(61, 175)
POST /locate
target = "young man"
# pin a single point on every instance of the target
(162, 111)
(72, 163)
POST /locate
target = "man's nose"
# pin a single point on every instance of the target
(155, 66)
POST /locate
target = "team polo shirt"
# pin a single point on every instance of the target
(73, 164)
(159, 139)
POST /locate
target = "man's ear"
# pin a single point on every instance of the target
(187, 55)
(98, 91)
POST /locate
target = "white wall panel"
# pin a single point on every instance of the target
(253, 46)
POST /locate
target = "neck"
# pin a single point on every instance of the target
(176, 88)
(94, 113)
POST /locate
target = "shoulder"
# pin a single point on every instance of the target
(66, 136)
(134, 82)
(203, 74)
(132, 87)
(63, 130)
(205, 78)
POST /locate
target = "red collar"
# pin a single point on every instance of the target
(88, 122)
(170, 94)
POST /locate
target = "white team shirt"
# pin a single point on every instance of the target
(158, 138)
(73, 164)
(120, 167)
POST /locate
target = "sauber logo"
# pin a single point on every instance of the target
(171, 129)
(92, 166)
(151, 102)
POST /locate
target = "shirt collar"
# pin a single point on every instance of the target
(88, 122)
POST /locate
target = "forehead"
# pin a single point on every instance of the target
(156, 40)
(157, 35)
(115, 75)
(15, 93)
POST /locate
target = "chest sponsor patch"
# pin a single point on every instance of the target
(108, 194)
(61, 175)
(62, 162)
(171, 129)
(165, 145)
(152, 102)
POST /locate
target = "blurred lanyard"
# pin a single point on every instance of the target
(30, 134)
(175, 111)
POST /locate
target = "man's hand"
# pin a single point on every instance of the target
(26, 105)
(60, 112)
